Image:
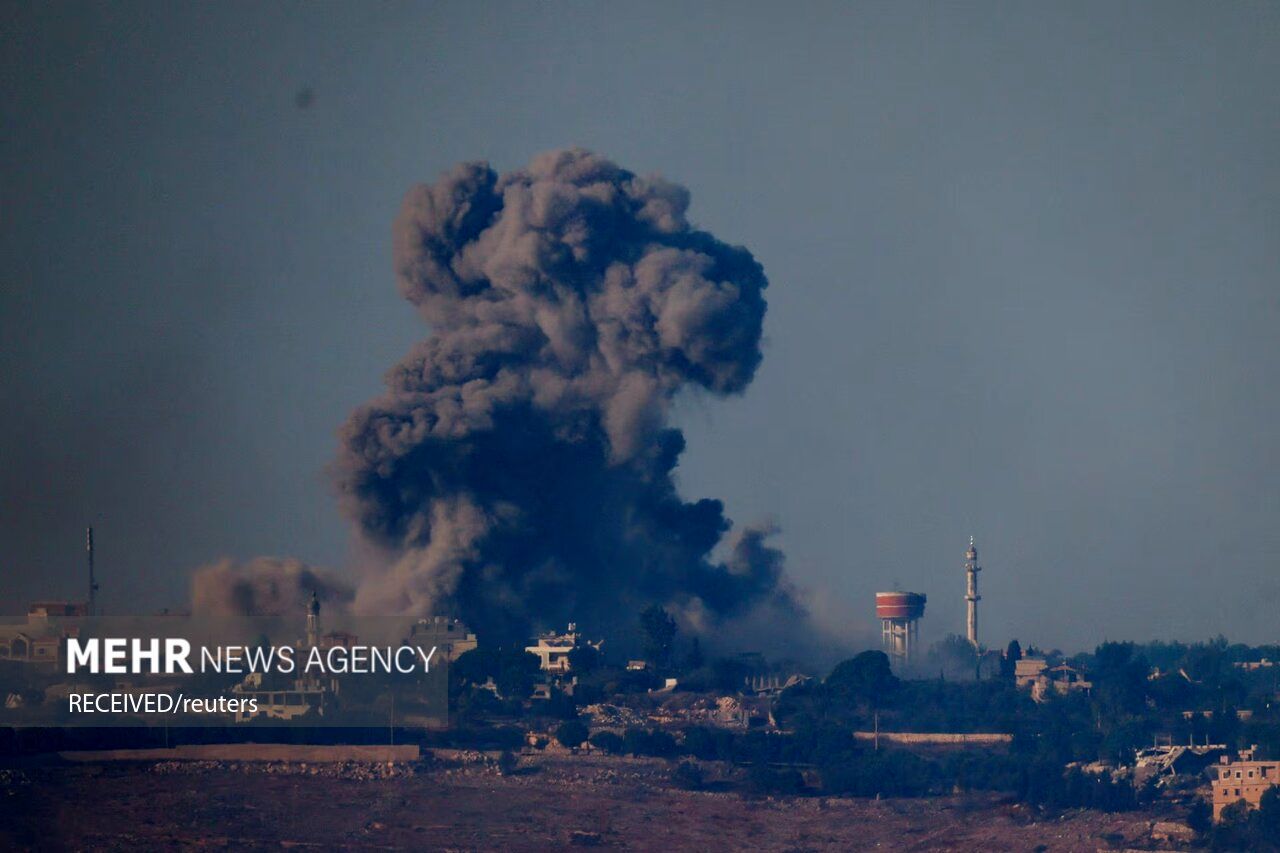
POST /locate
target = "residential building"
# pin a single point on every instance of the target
(450, 637)
(1245, 779)
(1041, 678)
(41, 639)
(553, 649)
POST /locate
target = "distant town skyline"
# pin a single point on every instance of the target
(1021, 260)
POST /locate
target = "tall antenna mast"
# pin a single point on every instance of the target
(93, 583)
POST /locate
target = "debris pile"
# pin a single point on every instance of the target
(614, 716)
(353, 770)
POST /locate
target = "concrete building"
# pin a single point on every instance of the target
(553, 649)
(450, 636)
(298, 698)
(1041, 678)
(1166, 761)
(1244, 780)
(42, 638)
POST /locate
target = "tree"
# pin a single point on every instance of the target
(659, 631)
(584, 659)
(866, 677)
(955, 656)
(688, 776)
(1268, 818)
(1200, 818)
(1120, 682)
(572, 733)
(512, 668)
(695, 660)
(1009, 663)
(608, 742)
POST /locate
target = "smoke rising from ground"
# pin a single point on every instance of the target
(518, 469)
(265, 595)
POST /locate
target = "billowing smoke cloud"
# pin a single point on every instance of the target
(518, 470)
(266, 595)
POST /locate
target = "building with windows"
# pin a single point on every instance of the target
(1245, 779)
(41, 639)
(451, 637)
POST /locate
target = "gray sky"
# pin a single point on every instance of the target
(1023, 260)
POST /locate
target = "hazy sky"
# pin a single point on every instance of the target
(1023, 258)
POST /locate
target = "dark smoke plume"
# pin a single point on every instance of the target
(266, 595)
(518, 470)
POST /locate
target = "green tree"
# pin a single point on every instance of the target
(512, 669)
(1009, 663)
(609, 742)
(866, 677)
(659, 631)
(584, 659)
(572, 733)
(954, 656)
(688, 776)
(1268, 818)
(1200, 817)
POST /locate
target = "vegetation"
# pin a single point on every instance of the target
(659, 631)
(572, 733)
(1242, 828)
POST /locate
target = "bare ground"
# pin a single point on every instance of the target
(550, 803)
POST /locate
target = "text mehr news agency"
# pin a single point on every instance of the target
(120, 656)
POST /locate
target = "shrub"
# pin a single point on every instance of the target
(608, 742)
(688, 776)
(763, 779)
(572, 733)
(1200, 818)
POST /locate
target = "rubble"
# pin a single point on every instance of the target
(354, 770)
(603, 715)
(558, 802)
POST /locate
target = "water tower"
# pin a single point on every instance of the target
(899, 614)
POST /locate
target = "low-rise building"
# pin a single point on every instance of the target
(451, 637)
(1042, 679)
(289, 701)
(552, 649)
(1245, 779)
(41, 639)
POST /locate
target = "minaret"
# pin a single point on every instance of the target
(313, 621)
(971, 569)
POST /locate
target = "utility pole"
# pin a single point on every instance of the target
(93, 583)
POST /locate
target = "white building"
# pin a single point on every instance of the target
(553, 649)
